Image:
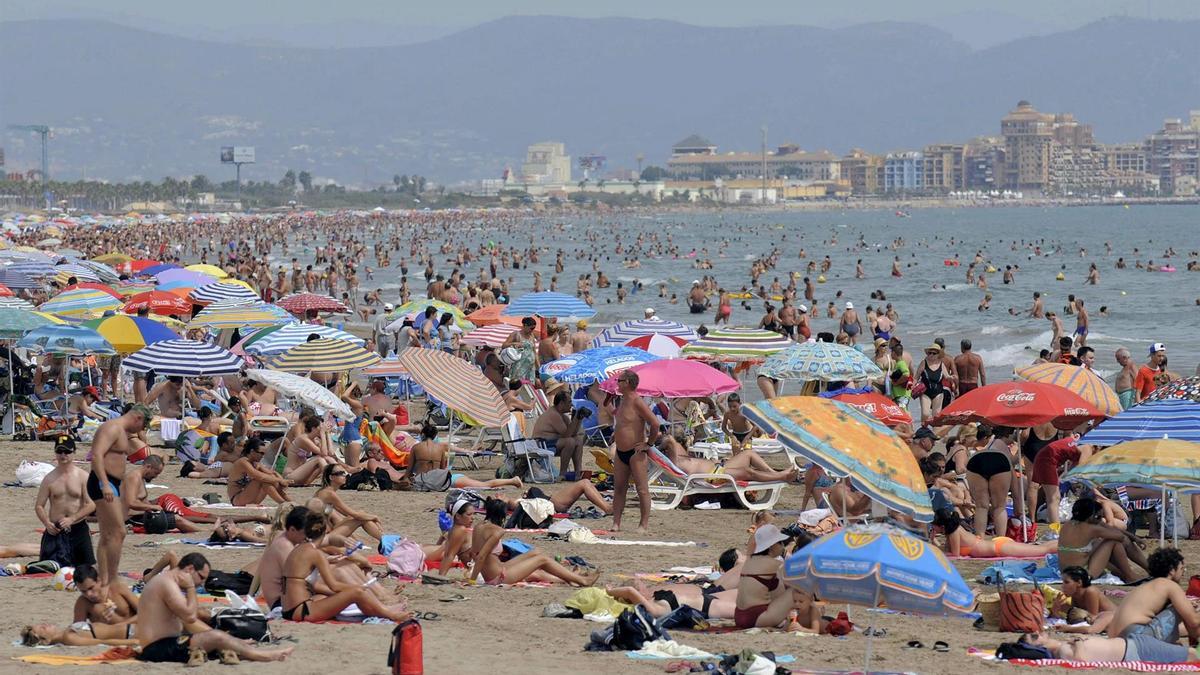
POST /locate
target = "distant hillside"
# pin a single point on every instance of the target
(128, 103)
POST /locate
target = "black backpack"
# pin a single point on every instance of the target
(1021, 650)
(243, 624)
(634, 628)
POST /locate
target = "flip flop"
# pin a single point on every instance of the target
(457, 597)
(941, 646)
(914, 644)
(435, 579)
(427, 616)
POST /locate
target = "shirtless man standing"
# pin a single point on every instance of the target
(110, 448)
(580, 340)
(636, 431)
(1037, 310)
(1082, 323)
(1124, 383)
(63, 507)
(379, 405)
(969, 365)
(168, 394)
(168, 603)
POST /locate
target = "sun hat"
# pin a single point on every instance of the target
(767, 536)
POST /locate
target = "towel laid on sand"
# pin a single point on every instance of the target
(114, 655)
(1135, 666)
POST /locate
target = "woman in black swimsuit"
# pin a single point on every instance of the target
(932, 374)
(990, 476)
(1032, 442)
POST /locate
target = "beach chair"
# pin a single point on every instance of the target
(525, 457)
(714, 450)
(669, 485)
(592, 433)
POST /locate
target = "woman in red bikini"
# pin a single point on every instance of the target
(763, 601)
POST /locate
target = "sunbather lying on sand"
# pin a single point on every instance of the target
(960, 542)
(79, 634)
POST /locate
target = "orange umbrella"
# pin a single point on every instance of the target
(491, 315)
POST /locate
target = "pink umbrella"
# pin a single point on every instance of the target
(675, 378)
(666, 346)
(493, 335)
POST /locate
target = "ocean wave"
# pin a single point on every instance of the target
(941, 288)
(995, 329)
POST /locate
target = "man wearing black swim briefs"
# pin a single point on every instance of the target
(110, 448)
(636, 431)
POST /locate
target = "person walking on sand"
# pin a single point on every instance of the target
(636, 431)
(110, 447)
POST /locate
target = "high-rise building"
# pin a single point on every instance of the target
(904, 172)
(984, 164)
(546, 162)
(1173, 152)
(943, 170)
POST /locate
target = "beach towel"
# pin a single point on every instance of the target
(224, 544)
(1135, 666)
(113, 655)
(1018, 572)
(669, 649)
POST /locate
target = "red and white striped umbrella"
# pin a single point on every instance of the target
(666, 346)
(300, 303)
(492, 336)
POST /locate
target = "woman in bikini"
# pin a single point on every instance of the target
(307, 566)
(1082, 602)
(307, 447)
(960, 542)
(79, 634)
(1086, 541)
(249, 483)
(531, 566)
(225, 531)
(736, 427)
(763, 601)
(345, 519)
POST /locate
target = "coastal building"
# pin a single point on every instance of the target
(1031, 138)
(546, 162)
(984, 164)
(1173, 152)
(696, 158)
(904, 172)
(863, 172)
(944, 165)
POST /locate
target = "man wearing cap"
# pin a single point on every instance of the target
(850, 323)
(580, 340)
(922, 443)
(1144, 384)
(384, 341)
(63, 506)
(649, 314)
(80, 407)
(697, 300)
(110, 447)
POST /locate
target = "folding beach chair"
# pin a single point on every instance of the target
(669, 485)
(525, 457)
(592, 433)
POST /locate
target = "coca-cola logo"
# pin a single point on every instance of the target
(1015, 398)
(1076, 411)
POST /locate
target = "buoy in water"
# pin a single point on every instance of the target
(991, 270)
(1124, 293)
(1060, 277)
(821, 279)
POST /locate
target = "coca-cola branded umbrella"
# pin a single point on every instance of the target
(1020, 404)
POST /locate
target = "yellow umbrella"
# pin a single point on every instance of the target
(1082, 381)
(113, 258)
(211, 270)
(323, 356)
(1159, 462)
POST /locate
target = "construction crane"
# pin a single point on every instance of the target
(43, 131)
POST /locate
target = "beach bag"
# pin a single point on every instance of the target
(634, 628)
(406, 558)
(1021, 611)
(243, 624)
(362, 480)
(219, 582)
(1022, 532)
(406, 654)
(1019, 650)
(156, 522)
(30, 474)
(454, 494)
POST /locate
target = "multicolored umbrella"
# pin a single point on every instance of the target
(549, 304)
(621, 333)
(65, 340)
(456, 383)
(187, 277)
(81, 303)
(492, 336)
(845, 442)
(1090, 386)
(417, 307)
(664, 346)
(820, 361)
(871, 403)
(594, 365)
(226, 289)
(736, 344)
(1178, 419)
(302, 389)
(220, 315)
(675, 378)
(92, 286)
(1187, 389)
(113, 258)
(158, 302)
(300, 303)
(184, 358)
(64, 273)
(128, 334)
(323, 356)
(493, 314)
(129, 288)
(210, 270)
(1020, 404)
(278, 339)
(386, 368)
(18, 279)
(1162, 462)
(141, 266)
(16, 322)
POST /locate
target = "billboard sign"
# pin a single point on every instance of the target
(237, 154)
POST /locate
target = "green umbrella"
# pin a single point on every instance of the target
(16, 322)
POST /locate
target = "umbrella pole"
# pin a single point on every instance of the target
(1162, 518)
(871, 631)
(10, 419)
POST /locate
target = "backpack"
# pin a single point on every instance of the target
(454, 494)
(406, 558)
(634, 628)
(1019, 650)
(406, 653)
(219, 582)
(244, 624)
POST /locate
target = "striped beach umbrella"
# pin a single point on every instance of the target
(621, 333)
(16, 322)
(184, 358)
(492, 336)
(1177, 419)
(65, 340)
(1155, 462)
(16, 303)
(106, 273)
(597, 364)
(113, 258)
(158, 302)
(323, 356)
(456, 383)
(226, 289)
(278, 339)
(18, 279)
(299, 303)
(220, 315)
(549, 304)
(1090, 386)
(820, 361)
(303, 390)
(386, 368)
(417, 307)
(82, 302)
(665, 346)
(736, 344)
(63, 273)
(129, 288)
(128, 334)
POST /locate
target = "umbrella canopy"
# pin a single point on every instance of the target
(323, 356)
(494, 314)
(736, 344)
(597, 364)
(113, 258)
(1090, 386)
(158, 302)
(386, 368)
(140, 266)
(184, 358)
(299, 303)
(458, 384)
(1187, 389)
(493, 335)
(422, 305)
(845, 442)
(66, 340)
(63, 273)
(227, 289)
(665, 346)
(871, 403)
(549, 304)
(1020, 404)
(16, 303)
(302, 389)
(81, 302)
(674, 378)
(156, 268)
(187, 277)
(1178, 419)
(128, 334)
(88, 285)
(867, 565)
(821, 361)
(129, 288)
(15, 322)
(1160, 462)
(18, 279)
(210, 270)
(279, 339)
(220, 315)
(621, 333)
(107, 274)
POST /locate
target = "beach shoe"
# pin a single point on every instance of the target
(229, 657)
(197, 657)
(914, 644)
(941, 646)
(577, 561)
(42, 567)
(457, 597)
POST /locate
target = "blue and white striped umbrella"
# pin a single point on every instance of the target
(597, 364)
(78, 271)
(66, 340)
(185, 358)
(107, 274)
(279, 340)
(549, 304)
(16, 279)
(223, 290)
(37, 270)
(1174, 419)
(621, 333)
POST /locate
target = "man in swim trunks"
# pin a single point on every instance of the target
(63, 507)
(636, 431)
(697, 300)
(110, 447)
(850, 323)
(1125, 378)
(1081, 323)
(554, 430)
(1096, 648)
(1156, 607)
(971, 372)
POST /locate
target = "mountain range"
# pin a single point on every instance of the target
(131, 104)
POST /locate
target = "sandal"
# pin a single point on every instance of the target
(941, 646)
(196, 658)
(457, 597)
(914, 644)
(427, 616)
(229, 657)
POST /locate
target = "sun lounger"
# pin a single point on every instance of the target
(669, 485)
(716, 450)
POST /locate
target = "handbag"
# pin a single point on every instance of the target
(406, 654)
(244, 624)
(1022, 611)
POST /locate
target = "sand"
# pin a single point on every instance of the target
(496, 629)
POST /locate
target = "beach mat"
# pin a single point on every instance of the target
(1135, 666)
(114, 656)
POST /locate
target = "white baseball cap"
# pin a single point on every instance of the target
(1157, 347)
(649, 312)
(696, 282)
(849, 305)
(767, 536)
(387, 307)
(802, 308)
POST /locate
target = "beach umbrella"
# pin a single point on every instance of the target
(549, 304)
(141, 265)
(128, 334)
(675, 378)
(107, 274)
(621, 333)
(665, 346)
(419, 307)
(1187, 389)
(64, 272)
(1020, 404)
(187, 277)
(820, 361)
(873, 565)
(493, 335)
(65, 340)
(18, 279)
(1178, 419)
(220, 315)
(128, 288)
(323, 356)
(386, 368)
(871, 403)
(492, 314)
(15, 303)
(184, 358)
(278, 339)
(1083, 381)
(300, 303)
(113, 258)
(158, 302)
(93, 286)
(1147, 463)
(736, 344)
(595, 365)
(456, 383)
(16, 322)
(210, 270)
(179, 287)
(5, 291)
(81, 303)
(845, 442)
(155, 268)
(303, 390)
(226, 289)
(49, 241)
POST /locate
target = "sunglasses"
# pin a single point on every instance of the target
(338, 473)
(63, 451)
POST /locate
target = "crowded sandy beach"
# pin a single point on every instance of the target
(643, 441)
